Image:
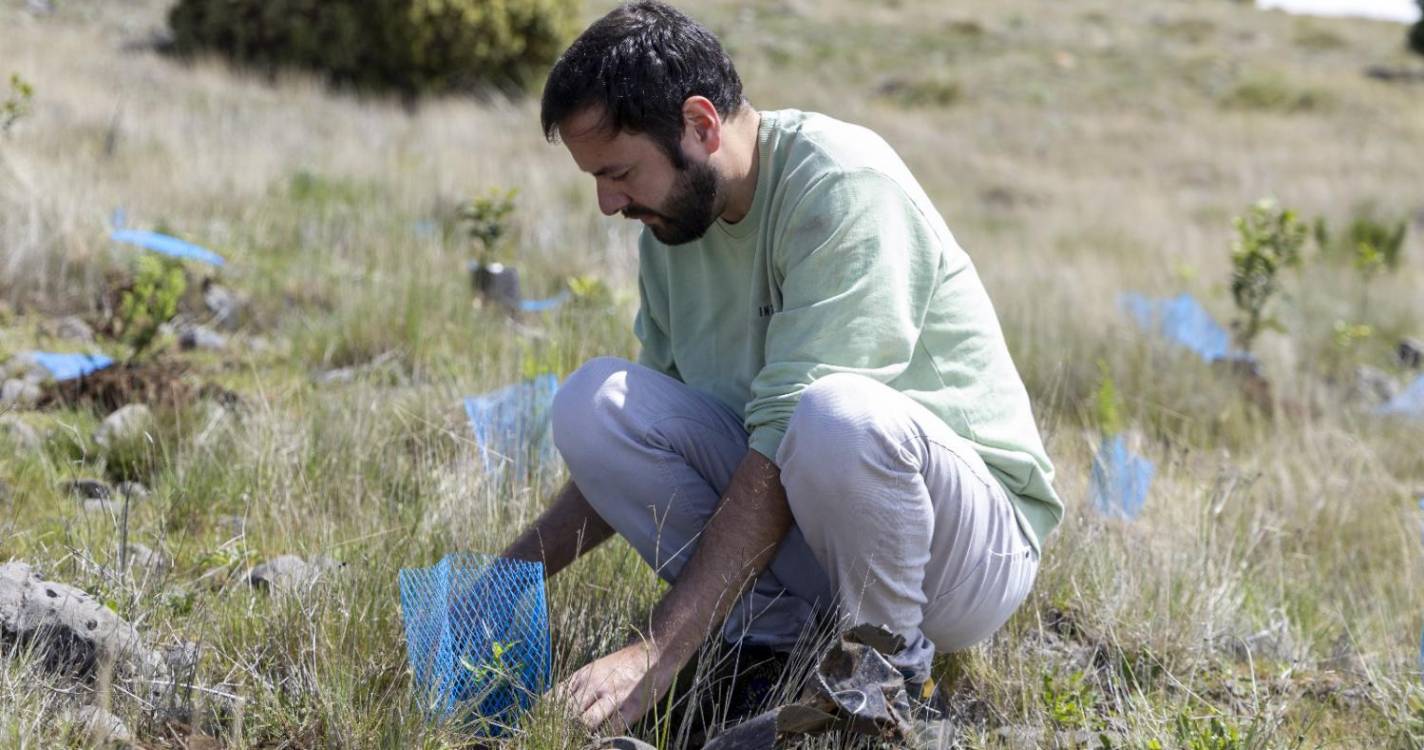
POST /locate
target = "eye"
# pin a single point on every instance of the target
(621, 176)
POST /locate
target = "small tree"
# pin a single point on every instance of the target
(151, 301)
(16, 103)
(487, 221)
(1268, 239)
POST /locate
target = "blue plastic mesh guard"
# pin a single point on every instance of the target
(477, 637)
(1120, 480)
(1408, 403)
(511, 427)
(1183, 321)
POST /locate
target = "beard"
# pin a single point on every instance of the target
(689, 212)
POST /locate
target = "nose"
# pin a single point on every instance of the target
(611, 201)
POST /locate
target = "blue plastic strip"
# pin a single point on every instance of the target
(477, 638)
(170, 246)
(1407, 403)
(511, 425)
(1120, 480)
(1183, 321)
(70, 366)
(543, 305)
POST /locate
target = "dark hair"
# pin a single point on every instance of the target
(640, 63)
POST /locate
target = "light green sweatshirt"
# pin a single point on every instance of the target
(841, 265)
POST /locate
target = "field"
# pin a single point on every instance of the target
(1270, 595)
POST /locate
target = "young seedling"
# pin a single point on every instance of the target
(152, 300)
(1268, 239)
(16, 103)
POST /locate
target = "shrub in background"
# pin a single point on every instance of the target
(1268, 239)
(1416, 32)
(408, 46)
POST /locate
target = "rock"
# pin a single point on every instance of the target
(19, 394)
(24, 367)
(72, 632)
(88, 489)
(102, 728)
(133, 490)
(1344, 657)
(1372, 387)
(145, 562)
(1018, 737)
(288, 573)
(128, 423)
(201, 337)
(1411, 353)
(107, 507)
(17, 434)
(73, 328)
(223, 303)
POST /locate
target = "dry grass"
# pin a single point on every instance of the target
(1089, 148)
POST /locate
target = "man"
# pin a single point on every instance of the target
(823, 410)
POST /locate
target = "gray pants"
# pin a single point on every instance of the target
(897, 520)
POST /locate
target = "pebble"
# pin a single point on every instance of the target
(19, 394)
(88, 489)
(129, 423)
(145, 561)
(73, 328)
(287, 573)
(14, 431)
(102, 728)
(201, 337)
(133, 490)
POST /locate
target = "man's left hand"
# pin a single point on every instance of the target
(619, 688)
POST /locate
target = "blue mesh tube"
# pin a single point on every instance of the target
(1120, 480)
(477, 637)
(511, 426)
(1183, 321)
(70, 366)
(1408, 403)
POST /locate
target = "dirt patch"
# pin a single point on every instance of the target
(159, 383)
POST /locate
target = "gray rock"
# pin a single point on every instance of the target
(107, 507)
(201, 337)
(72, 632)
(88, 489)
(1018, 737)
(288, 573)
(17, 434)
(102, 728)
(1372, 386)
(19, 394)
(133, 490)
(73, 328)
(128, 423)
(223, 303)
(1411, 353)
(145, 562)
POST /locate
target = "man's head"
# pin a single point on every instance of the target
(639, 100)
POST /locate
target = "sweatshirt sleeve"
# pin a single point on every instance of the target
(859, 265)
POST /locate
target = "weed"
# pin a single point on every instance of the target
(16, 103)
(487, 221)
(149, 302)
(1071, 703)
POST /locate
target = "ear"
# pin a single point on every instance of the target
(701, 126)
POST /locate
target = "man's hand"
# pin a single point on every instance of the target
(619, 688)
(736, 545)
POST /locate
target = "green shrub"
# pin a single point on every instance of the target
(149, 302)
(1268, 239)
(408, 46)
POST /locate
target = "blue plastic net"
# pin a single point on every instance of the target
(70, 366)
(165, 245)
(1408, 402)
(511, 427)
(1183, 321)
(543, 305)
(477, 637)
(1120, 480)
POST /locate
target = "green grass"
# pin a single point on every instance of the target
(1075, 151)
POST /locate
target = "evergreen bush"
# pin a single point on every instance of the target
(407, 46)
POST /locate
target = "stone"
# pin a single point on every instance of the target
(223, 303)
(102, 728)
(145, 562)
(1411, 353)
(1018, 737)
(288, 573)
(107, 507)
(128, 423)
(88, 489)
(133, 490)
(15, 432)
(72, 632)
(73, 328)
(19, 394)
(201, 337)
(1372, 386)
(24, 367)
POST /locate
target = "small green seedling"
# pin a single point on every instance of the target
(152, 300)
(1268, 239)
(487, 221)
(1109, 404)
(16, 103)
